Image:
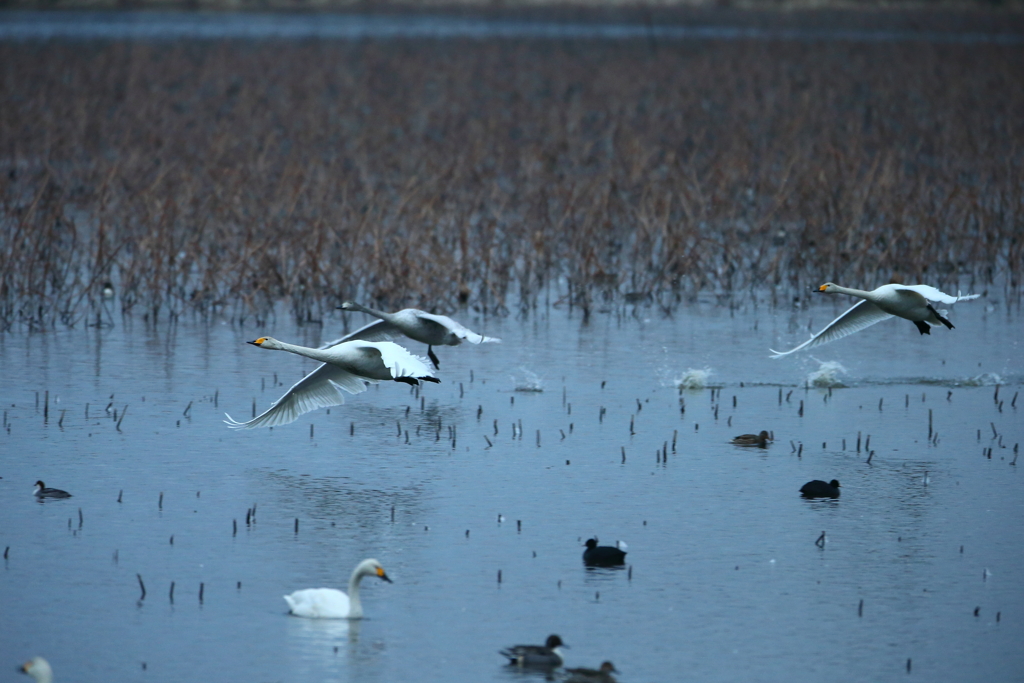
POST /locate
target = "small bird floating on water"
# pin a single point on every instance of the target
(41, 491)
(585, 675)
(39, 669)
(820, 489)
(911, 302)
(546, 656)
(603, 555)
(347, 365)
(330, 603)
(760, 440)
(427, 328)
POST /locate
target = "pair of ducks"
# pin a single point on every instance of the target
(329, 603)
(549, 656)
(812, 489)
(364, 356)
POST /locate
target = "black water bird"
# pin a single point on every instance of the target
(760, 440)
(584, 675)
(602, 555)
(820, 489)
(42, 492)
(546, 656)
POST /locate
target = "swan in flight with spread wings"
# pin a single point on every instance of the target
(427, 328)
(911, 302)
(348, 365)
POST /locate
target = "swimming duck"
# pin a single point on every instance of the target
(760, 440)
(42, 492)
(584, 675)
(427, 328)
(819, 489)
(911, 302)
(39, 669)
(603, 555)
(347, 365)
(330, 603)
(546, 656)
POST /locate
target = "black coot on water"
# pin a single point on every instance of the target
(602, 555)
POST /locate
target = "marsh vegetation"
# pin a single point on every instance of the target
(220, 178)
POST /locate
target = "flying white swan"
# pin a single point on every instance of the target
(427, 328)
(330, 603)
(903, 301)
(348, 366)
(39, 669)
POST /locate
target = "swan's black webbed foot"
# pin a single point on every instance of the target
(430, 379)
(407, 380)
(941, 319)
(923, 327)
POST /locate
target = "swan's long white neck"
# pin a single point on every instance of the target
(372, 311)
(315, 354)
(836, 289)
(355, 605)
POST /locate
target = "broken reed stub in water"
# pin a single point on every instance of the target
(821, 540)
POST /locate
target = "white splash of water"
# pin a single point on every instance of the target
(530, 381)
(827, 375)
(693, 378)
(986, 379)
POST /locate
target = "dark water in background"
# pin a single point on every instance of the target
(727, 582)
(118, 25)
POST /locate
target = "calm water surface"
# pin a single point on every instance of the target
(727, 583)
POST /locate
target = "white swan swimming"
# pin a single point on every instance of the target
(903, 301)
(330, 603)
(39, 669)
(348, 366)
(427, 328)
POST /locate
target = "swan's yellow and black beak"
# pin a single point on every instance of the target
(381, 573)
(822, 288)
(258, 342)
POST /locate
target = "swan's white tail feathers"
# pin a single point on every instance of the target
(401, 363)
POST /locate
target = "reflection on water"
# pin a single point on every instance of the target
(322, 640)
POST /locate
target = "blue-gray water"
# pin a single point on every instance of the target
(727, 582)
(30, 25)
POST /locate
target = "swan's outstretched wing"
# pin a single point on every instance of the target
(861, 315)
(318, 389)
(458, 329)
(378, 330)
(933, 294)
(401, 363)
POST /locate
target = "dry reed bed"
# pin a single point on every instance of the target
(224, 177)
